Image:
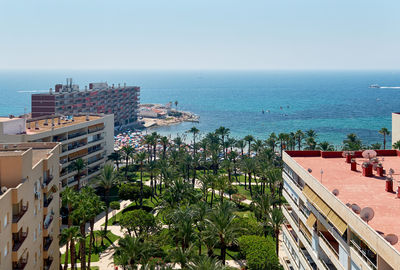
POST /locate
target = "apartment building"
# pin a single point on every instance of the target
(122, 101)
(29, 206)
(90, 137)
(342, 210)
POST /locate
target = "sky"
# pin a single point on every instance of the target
(200, 34)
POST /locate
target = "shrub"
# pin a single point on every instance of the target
(115, 205)
(249, 226)
(259, 252)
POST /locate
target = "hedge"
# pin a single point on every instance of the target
(259, 252)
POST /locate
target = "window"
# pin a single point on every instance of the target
(34, 235)
(35, 258)
(40, 228)
(6, 250)
(35, 210)
(5, 220)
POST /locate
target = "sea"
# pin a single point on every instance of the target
(333, 103)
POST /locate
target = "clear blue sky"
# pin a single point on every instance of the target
(200, 34)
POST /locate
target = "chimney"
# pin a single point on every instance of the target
(87, 117)
(51, 91)
(59, 120)
(46, 122)
(29, 125)
(36, 125)
(52, 121)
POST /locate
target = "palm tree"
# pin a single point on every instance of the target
(96, 206)
(257, 146)
(182, 256)
(396, 145)
(223, 132)
(299, 138)
(194, 131)
(276, 221)
(130, 251)
(78, 165)
(241, 144)
(352, 142)
(271, 141)
(261, 206)
(68, 198)
(221, 226)
(75, 237)
(67, 236)
(128, 151)
(107, 180)
(115, 157)
(325, 146)
(249, 139)
(384, 131)
(206, 263)
(164, 142)
(140, 158)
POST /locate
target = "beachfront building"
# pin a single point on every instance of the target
(29, 206)
(90, 137)
(122, 101)
(395, 127)
(342, 210)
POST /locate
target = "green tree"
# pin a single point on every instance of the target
(115, 205)
(67, 236)
(68, 198)
(249, 139)
(352, 142)
(221, 226)
(140, 158)
(384, 131)
(396, 145)
(115, 157)
(132, 251)
(194, 131)
(276, 221)
(128, 151)
(107, 180)
(325, 146)
(206, 263)
(79, 166)
(139, 222)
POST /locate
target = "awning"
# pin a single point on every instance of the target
(311, 220)
(336, 221)
(339, 224)
(305, 230)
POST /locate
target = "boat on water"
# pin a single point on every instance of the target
(374, 86)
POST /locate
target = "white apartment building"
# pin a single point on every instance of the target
(337, 215)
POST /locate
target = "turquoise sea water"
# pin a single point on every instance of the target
(334, 103)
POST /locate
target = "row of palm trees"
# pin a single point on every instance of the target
(189, 184)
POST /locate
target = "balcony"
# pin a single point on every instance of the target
(18, 240)
(71, 136)
(306, 256)
(48, 179)
(47, 242)
(20, 265)
(94, 149)
(47, 221)
(20, 214)
(366, 254)
(47, 263)
(331, 243)
(47, 201)
(92, 130)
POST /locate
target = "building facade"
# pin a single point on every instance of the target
(29, 206)
(89, 137)
(122, 101)
(326, 222)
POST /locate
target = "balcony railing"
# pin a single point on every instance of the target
(47, 242)
(363, 254)
(47, 263)
(48, 201)
(47, 224)
(21, 213)
(18, 242)
(20, 265)
(71, 136)
(328, 243)
(48, 179)
(92, 130)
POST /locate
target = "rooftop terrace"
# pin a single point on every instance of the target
(354, 188)
(45, 124)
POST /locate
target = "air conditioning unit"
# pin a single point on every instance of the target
(37, 195)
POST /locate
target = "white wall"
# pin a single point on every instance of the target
(14, 126)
